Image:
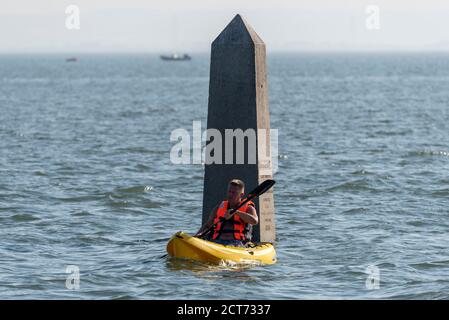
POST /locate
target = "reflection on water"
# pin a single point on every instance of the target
(212, 271)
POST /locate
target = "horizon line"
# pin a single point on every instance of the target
(156, 52)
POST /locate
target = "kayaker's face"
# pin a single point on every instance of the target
(235, 194)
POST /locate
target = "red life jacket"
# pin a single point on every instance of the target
(241, 230)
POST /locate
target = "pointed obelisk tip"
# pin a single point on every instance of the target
(239, 22)
(238, 31)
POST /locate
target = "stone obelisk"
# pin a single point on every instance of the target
(238, 99)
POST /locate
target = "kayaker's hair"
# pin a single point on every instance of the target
(238, 183)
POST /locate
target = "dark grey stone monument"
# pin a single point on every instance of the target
(238, 99)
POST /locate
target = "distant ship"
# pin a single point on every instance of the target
(73, 59)
(176, 57)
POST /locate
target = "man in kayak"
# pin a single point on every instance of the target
(235, 230)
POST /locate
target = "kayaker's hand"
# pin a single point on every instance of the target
(227, 215)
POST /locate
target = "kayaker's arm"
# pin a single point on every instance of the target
(209, 223)
(249, 217)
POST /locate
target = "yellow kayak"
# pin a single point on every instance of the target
(182, 245)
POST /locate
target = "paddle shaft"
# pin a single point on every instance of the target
(259, 190)
(233, 211)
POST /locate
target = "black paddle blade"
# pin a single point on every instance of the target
(261, 188)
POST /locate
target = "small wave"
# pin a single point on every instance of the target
(360, 172)
(145, 241)
(142, 168)
(80, 198)
(93, 239)
(327, 153)
(18, 80)
(419, 295)
(132, 114)
(356, 185)
(152, 204)
(375, 151)
(122, 297)
(392, 133)
(138, 150)
(428, 153)
(430, 265)
(355, 210)
(239, 266)
(41, 136)
(210, 268)
(441, 192)
(386, 265)
(416, 223)
(133, 196)
(82, 214)
(117, 203)
(134, 189)
(23, 217)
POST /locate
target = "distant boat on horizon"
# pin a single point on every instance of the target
(176, 57)
(72, 59)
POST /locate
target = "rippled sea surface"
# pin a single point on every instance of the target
(86, 178)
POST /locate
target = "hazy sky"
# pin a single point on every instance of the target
(191, 25)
